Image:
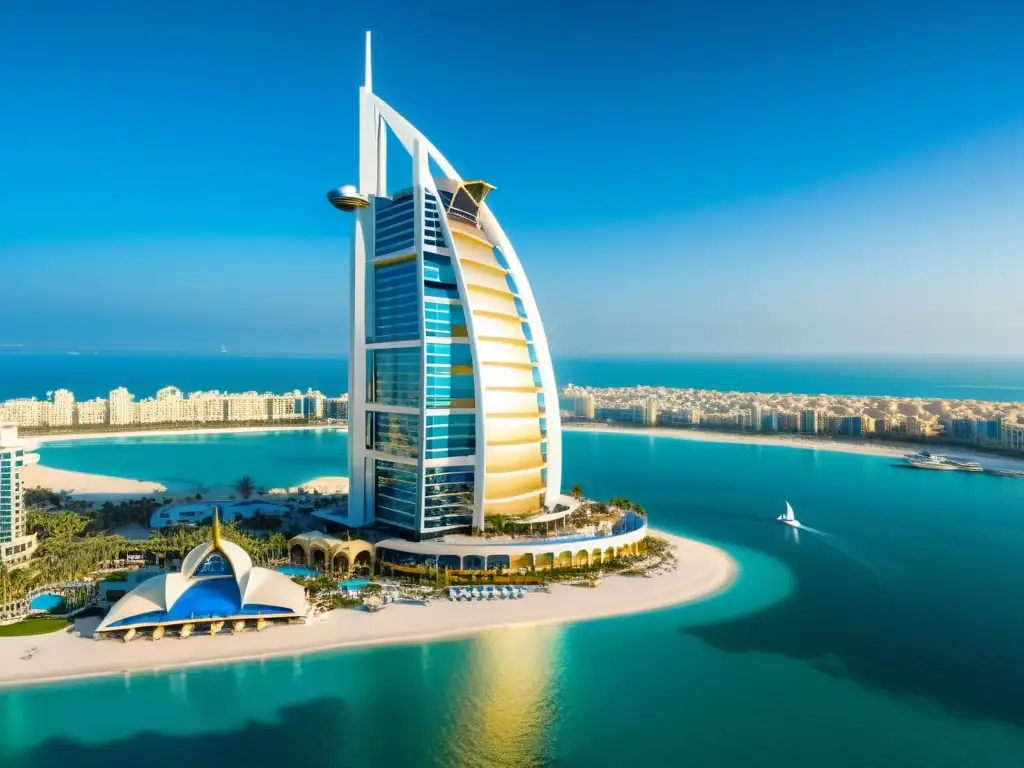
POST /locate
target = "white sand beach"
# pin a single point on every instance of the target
(86, 486)
(703, 571)
(866, 448)
(98, 488)
(39, 439)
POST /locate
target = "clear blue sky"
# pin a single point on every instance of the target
(718, 176)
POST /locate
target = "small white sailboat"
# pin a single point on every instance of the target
(788, 517)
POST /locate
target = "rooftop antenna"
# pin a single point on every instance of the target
(368, 84)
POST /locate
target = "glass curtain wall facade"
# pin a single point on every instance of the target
(451, 374)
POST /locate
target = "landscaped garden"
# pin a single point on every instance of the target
(34, 625)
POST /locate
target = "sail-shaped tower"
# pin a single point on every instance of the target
(453, 407)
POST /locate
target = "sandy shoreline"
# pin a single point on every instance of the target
(894, 449)
(88, 486)
(703, 571)
(40, 439)
(99, 488)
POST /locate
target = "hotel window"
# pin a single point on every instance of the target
(394, 226)
(395, 302)
(438, 269)
(441, 318)
(393, 376)
(448, 496)
(450, 435)
(396, 433)
(395, 493)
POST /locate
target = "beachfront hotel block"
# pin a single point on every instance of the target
(16, 546)
(453, 406)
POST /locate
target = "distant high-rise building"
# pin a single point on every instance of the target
(988, 431)
(856, 426)
(121, 406)
(90, 412)
(15, 546)
(809, 422)
(313, 404)
(26, 412)
(788, 422)
(453, 404)
(651, 412)
(754, 412)
(62, 409)
(336, 408)
(1012, 437)
(770, 421)
(583, 407)
(829, 424)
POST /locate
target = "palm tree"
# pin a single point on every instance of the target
(577, 493)
(245, 486)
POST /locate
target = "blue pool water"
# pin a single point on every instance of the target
(46, 603)
(890, 638)
(353, 585)
(298, 570)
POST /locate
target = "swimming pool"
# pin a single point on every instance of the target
(353, 585)
(298, 570)
(47, 602)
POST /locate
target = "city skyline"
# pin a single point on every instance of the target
(855, 160)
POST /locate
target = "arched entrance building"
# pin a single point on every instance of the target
(541, 554)
(325, 552)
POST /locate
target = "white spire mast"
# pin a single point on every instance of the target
(368, 80)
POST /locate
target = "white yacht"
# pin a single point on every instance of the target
(965, 465)
(926, 460)
(788, 517)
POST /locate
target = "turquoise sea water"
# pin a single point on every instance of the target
(94, 375)
(890, 638)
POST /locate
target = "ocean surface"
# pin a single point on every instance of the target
(888, 636)
(94, 375)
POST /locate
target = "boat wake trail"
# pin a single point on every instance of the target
(838, 545)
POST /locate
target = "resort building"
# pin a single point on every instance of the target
(25, 412)
(336, 408)
(325, 552)
(91, 412)
(810, 422)
(583, 407)
(470, 553)
(453, 404)
(1013, 437)
(121, 407)
(651, 412)
(754, 416)
(62, 409)
(230, 511)
(787, 422)
(16, 547)
(217, 588)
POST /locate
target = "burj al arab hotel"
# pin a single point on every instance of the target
(453, 407)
